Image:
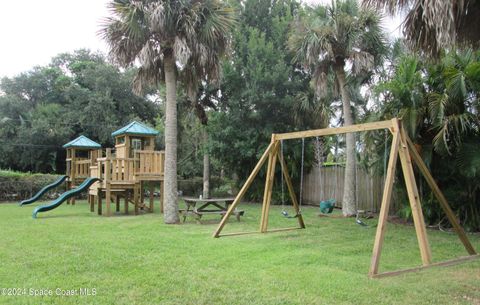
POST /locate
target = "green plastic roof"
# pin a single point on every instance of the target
(135, 128)
(82, 142)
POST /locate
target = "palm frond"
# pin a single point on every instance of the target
(196, 32)
(433, 25)
(450, 132)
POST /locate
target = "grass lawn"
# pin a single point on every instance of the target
(139, 260)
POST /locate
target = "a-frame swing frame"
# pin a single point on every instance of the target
(401, 146)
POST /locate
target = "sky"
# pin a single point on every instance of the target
(32, 31)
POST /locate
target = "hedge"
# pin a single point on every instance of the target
(15, 186)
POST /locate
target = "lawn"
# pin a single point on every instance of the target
(140, 260)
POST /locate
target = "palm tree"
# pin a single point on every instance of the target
(433, 25)
(164, 36)
(324, 40)
(445, 111)
(438, 103)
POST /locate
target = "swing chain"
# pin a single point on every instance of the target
(285, 213)
(281, 175)
(301, 175)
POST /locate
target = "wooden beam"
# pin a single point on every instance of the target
(125, 204)
(108, 199)
(284, 229)
(440, 197)
(385, 205)
(291, 191)
(333, 131)
(414, 199)
(136, 198)
(243, 190)
(256, 232)
(269, 187)
(238, 233)
(415, 269)
(108, 178)
(99, 202)
(265, 191)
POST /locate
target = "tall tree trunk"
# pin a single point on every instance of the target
(170, 194)
(206, 165)
(348, 201)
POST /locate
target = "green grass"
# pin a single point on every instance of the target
(140, 260)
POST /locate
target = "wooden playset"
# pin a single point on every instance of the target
(401, 146)
(125, 172)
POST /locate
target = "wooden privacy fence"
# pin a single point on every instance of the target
(327, 183)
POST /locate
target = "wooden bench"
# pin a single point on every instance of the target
(200, 207)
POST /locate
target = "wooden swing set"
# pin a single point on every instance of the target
(401, 146)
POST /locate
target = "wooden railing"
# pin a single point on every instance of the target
(150, 162)
(147, 163)
(82, 168)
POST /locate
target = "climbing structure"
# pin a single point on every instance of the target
(124, 172)
(81, 154)
(401, 147)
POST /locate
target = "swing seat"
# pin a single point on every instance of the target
(285, 214)
(326, 206)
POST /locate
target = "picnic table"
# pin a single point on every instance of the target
(205, 206)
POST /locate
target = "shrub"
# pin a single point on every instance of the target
(16, 186)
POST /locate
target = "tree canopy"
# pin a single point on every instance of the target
(278, 71)
(77, 93)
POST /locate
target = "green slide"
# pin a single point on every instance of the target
(44, 190)
(73, 192)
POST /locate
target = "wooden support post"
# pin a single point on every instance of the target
(108, 176)
(266, 190)
(270, 178)
(108, 199)
(269, 187)
(291, 191)
(99, 201)
(152, 189)
(92, 202)
(73, 174)
(136, 197)
(126, 201)
(415, 203)
(243, 190)
(440, 197)
(68, 186)
(386, 199)
(142, 193)
(117, 203)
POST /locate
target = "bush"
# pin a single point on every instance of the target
(16, 186)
